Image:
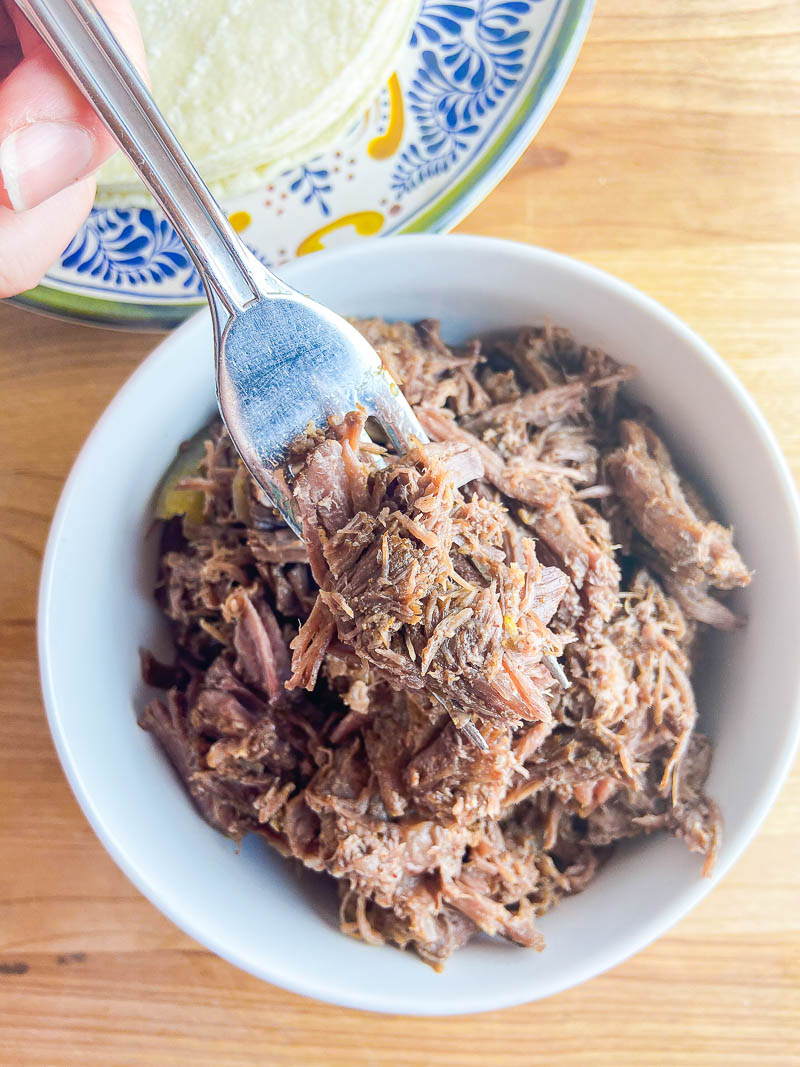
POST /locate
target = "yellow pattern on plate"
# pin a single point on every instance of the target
(365, 223)
(240, 220)
(387, 143)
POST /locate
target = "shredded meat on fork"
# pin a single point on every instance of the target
(331, 693)
(414, 579)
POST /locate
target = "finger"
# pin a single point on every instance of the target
(49, 134)
(31, 241)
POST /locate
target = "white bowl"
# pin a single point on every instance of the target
(96, 611)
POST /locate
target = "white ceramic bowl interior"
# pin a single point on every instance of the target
(253, 908)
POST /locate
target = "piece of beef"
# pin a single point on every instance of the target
(689, 814)
(448, 930)
(168, 721)
(696, 603)
(529, 481)
(424, 367)
(648, 484)
(261, 655)
(416, 583)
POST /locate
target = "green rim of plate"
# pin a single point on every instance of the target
(95, 311)
(454, 204)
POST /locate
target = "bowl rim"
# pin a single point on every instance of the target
(315, 986)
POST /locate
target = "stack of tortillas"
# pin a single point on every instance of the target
(253, 86)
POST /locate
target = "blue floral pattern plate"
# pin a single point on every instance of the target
(473, 85)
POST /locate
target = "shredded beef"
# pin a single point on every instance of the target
(384, 700)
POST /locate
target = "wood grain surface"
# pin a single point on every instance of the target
(673, 160)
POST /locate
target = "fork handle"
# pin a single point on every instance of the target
(91, 54)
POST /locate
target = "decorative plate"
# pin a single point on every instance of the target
(473, 85)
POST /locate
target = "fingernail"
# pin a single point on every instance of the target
(38, 160)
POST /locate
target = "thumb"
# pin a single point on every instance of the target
(49, 135)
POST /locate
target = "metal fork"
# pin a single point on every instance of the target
(283, 361)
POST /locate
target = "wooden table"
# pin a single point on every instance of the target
(673, 160)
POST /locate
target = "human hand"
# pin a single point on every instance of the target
(51, 142)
